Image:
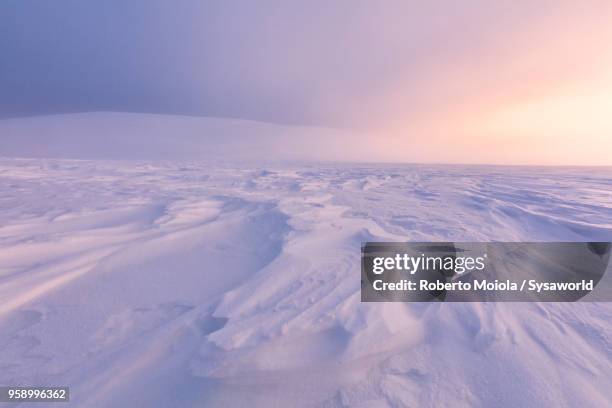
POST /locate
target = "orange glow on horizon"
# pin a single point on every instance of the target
(543, 98)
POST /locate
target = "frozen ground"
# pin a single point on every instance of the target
(177, 285)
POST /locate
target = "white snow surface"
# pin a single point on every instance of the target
(187, 284)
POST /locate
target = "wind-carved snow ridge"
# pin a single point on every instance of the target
(185, 284)
(308, 288)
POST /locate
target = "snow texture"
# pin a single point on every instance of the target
(183, 284)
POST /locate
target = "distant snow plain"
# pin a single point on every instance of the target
(201, 283)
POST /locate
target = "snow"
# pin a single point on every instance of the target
(150, 260)
(129, 136)
(157, 284)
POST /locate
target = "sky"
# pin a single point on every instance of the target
(510, 82)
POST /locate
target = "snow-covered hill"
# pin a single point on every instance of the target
(112, 135)
(144, 284)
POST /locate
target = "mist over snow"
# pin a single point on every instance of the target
(185, 258)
